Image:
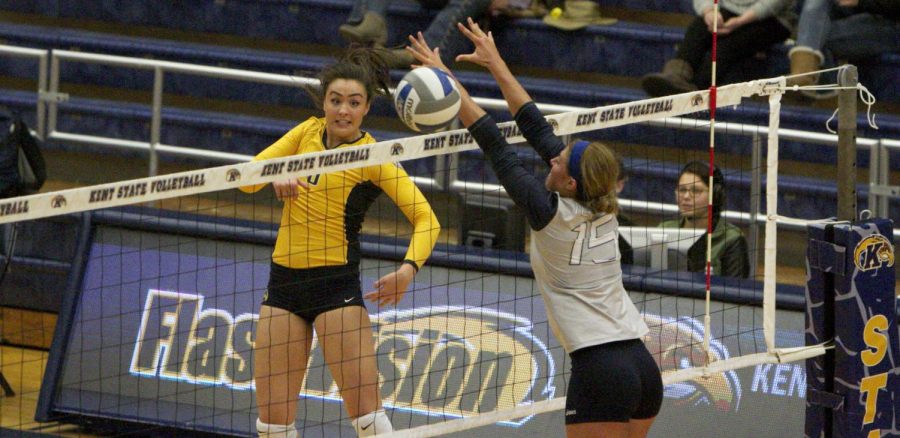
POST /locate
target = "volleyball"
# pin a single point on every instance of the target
(427, 99)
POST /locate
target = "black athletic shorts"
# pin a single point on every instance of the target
(310, 292)
(614, 382)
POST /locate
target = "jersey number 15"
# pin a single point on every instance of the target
(599, 249)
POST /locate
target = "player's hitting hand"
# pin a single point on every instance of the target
(486, 53)
(288, 189)
(391, 288)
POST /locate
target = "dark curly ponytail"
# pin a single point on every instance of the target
(366, 65)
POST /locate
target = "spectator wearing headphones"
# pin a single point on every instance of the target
(729, 247)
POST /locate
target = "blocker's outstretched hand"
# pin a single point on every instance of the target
(486, 53)
(469, 111)
(427, 56)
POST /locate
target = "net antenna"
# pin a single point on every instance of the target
(711, 182)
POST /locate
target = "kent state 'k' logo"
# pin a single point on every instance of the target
(697, 100)
(58, 201)
(873, 252)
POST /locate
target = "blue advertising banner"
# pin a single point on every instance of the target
(163, 330)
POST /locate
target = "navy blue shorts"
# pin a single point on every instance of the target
(308, 293)
(614, 382)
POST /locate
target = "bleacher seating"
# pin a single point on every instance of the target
(543, 90)
(677, 6)
(625, 49)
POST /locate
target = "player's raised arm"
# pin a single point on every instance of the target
(531, 121)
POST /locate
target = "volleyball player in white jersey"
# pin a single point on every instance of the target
(615, 389)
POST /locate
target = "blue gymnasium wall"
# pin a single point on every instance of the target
(135, 262)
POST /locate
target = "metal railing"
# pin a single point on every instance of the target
(879, 189)
(42, 56)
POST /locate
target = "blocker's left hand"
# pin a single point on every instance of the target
(486, 53)
(391, 288)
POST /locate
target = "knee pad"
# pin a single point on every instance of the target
(372, 423)
(266, 430)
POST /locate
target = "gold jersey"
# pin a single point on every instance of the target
(321, 226)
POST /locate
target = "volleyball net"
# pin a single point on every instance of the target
(160, 314)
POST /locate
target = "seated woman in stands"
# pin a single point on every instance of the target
(843, 29)
(744, 27)
(729, 247)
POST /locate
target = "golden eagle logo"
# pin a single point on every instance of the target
(677, 344)
(459, 361)
(873, 252)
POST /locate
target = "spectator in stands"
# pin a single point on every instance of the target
(366, 26)
(729, 247)
(745, 27)
(844, 29)
(314, 278)
(615, 388)
(623, 219)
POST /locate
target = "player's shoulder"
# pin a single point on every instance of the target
(312, 125)
(570, 208)
(366, 138)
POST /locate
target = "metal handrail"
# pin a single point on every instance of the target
(876, 146)
(42, 56)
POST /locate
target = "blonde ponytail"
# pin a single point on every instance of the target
(599, 171)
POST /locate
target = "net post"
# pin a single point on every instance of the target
(848, 79)
(851, 390)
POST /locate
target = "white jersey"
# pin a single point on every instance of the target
(575, 259)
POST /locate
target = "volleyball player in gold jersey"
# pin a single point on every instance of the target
(314, 280)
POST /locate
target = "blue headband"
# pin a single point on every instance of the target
(574, 165)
